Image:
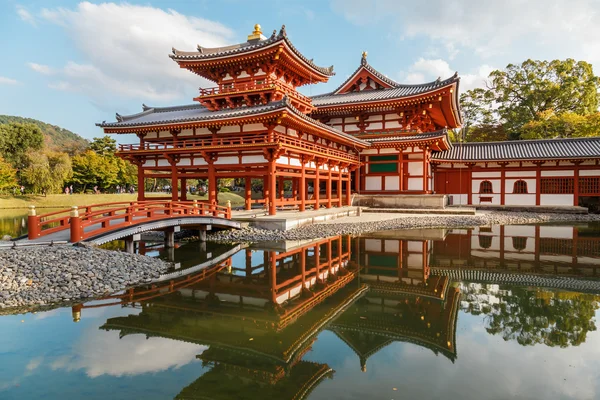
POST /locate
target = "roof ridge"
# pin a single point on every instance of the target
(532, 140)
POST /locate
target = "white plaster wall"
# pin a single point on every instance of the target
(375, 126)
(352, 128)
(414, 261)
(227, 160)
(164, 134)
(253, 159)
(373, 183)
(558, 173)
(163, 163)
(199, 161)
(519, 230)
(230, 129)
(414, 246)
(477, 182)
(296, 162)
(151, 135)
(202, 131)
(415, 184)
(510, 185)
(392, 246)
(519, 199)
(459, 198)
(184, 162)
(556, 199)
(373, 245)
(374, 117)
(350, 120)
(529, 245)
(415, 168)
(186, 132)
(368, 151)
(589, 172)
(519, 174)
(392, 183)
(392, 124)
(487, 174)
(557, 232)
(254, 127)
(335, 121)
(283, 160)
(388, 151)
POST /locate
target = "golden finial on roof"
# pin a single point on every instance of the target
(363, 60)
(256, 33)
(364, 54)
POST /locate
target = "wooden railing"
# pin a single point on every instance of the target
(243, 140)
(253, 85)
(89, 221)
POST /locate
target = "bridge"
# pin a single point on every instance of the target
(102, 223)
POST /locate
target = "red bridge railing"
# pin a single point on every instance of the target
(89, 221)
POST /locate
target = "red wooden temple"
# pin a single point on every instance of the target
(371, 136)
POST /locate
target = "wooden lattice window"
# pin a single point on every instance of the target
(519, 242)
(520, 187)
(486, 187)
(589, 185)
(556, 186)
(485, 242)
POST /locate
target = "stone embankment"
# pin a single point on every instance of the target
(331, 228)
(36, 276)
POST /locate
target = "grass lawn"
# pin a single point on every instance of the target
(58, 201)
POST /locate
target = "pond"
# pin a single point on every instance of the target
(484, 313)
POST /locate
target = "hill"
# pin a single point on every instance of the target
(56, 138)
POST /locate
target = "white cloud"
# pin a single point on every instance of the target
(104, 353)
(560, 28)
(125, 50)
(7, 81)
(25, 15)
(425, 70)
(41, 68)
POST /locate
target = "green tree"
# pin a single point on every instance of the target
(104, 146)
(91, 169)
(564, 125)
(477, 111)
(528, 91)
(8, 176)
(17, 139)
(46, 172)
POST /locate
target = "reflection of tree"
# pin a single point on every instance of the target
(535, 316)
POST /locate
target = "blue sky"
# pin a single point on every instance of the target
(74, 63)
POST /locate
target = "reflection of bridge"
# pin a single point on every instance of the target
(102, 223)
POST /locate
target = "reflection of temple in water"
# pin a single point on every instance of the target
(259, 318)
(557, 250)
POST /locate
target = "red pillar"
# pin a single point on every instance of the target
(538, 184)
(502, 183)
(295, 188)
(281, 188)
(328, 187)
(183, 189)
(317, 189)
(302, 188)
(272, 188)
(576, 185)
(273, 275)
(339, 186)
(141, 185)
(470, 184)
(248, 193)
(425, 168)
(357, 180)
(348, 191)
(174, 181)
(212, 184)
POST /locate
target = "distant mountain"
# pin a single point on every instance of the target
(56, 138)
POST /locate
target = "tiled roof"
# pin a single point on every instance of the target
(408, 138)
(547, 149)
(197, 112)
(331, 99)
(205, 53)
(364, 64)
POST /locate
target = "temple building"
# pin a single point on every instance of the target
(370, 136)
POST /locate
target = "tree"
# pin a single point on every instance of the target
(91, 169)
(17, 139)
(47, 172)
(527, 92)
(565, 125)
(477, 111)
(8, 176)
(104, 146)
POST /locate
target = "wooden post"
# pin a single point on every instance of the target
(401, 169)
(339, 187)
(212, 184)
(538, 184)
(302, 187)
(502, 183)
(248, 194)
(141, 184)
(328, 186)
(33, 227)
(280, 184)
(469, 184)
(272, 188)
(425, 168)
(295, 189)
(576, 184)
(183, 189)
(316, 189)
(75, 224)
(174, 181)
(348, 191)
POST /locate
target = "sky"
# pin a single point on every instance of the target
(74, 63)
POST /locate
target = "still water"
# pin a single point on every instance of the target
(489, 313)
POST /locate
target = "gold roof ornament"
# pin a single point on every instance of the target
(256, 34)
(363, 60)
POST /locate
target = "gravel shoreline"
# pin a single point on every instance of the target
(38, 276)
(332, 228)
